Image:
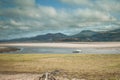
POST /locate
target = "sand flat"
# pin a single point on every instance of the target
(67, 45)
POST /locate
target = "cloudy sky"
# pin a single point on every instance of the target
(26, 18)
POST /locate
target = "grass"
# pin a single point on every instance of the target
(89, 66)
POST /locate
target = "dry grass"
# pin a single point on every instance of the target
(92, 66)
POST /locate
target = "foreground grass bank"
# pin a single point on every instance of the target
(89, 66)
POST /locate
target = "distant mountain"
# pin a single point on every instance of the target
(85, 35)
(113, 35)
(50, 37)
(88, 35)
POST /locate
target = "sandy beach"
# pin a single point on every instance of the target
(67, 45)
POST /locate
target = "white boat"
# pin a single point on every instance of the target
(77, 51)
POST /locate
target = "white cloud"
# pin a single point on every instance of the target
(49, 11)
(109, 4)
(78, 2)
(94, 15)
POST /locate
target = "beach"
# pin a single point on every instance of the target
(67, 45)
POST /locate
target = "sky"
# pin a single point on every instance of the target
(27, 18)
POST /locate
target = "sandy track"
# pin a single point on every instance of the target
(67, 45)
(19, 76)
(28, 76)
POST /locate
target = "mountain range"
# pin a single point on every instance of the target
(85, 35)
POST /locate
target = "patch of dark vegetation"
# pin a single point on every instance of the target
(8, 49)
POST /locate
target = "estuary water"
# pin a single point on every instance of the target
(58, 50)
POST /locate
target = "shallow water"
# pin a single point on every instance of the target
(49, 50)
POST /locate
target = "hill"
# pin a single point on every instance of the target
(85, 35)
